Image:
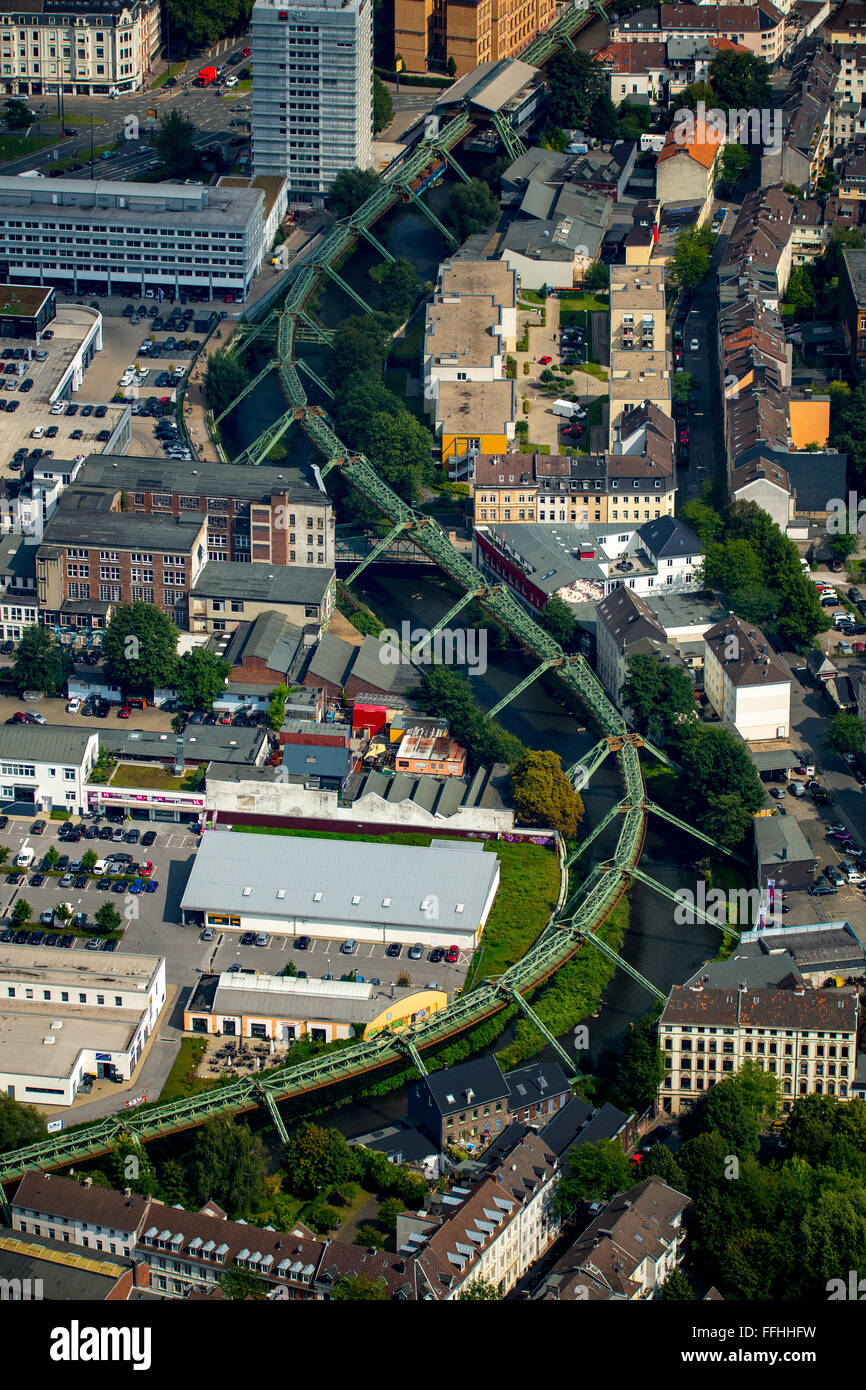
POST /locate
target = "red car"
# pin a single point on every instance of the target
(146, 869)
(245, 52)
(228, 297)
(684, 436)
(19, 718)
(574, 430)
(860, 648)
(225, 718)
(636, 1159)
(124, 712)
(545, 361)
(452, 954)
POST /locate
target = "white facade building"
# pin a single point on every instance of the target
(88, 49)
(745, 682)
(44, 766)
(61, 1020)
(312, 107)
(134, 235)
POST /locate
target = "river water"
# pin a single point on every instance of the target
(660, 949)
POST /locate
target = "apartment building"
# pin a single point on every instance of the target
(471, 322)
(46, 768)
(806, 119)
(853, 288)
(687, 168)
(626, 627)
(539, 487)
(18, 605)
(806, 1037)
(95, 558)
(655, 71)
(429, 32)
(759, 252)
(745, 682)
(225, 595)
(760, 27)
(312, 104)
(98, 1018)
(123, 238)
(474, 417)
(273, 514)
(847, 25)
(637, 308)
(82, 48)
(637, 376)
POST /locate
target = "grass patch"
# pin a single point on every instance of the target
(593, 369)
(577, 303)
(528, 890)
(182, 1080)
(408, 348)
(136, 775)
(530, 297)
(169, 72)
(70, 120)
(243, 87)
(15, 147)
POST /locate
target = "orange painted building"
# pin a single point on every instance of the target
(429, 32)
(437, 753)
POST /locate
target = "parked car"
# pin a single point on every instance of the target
(416, 952)
(248, 938)
(302, 943)
(832, 874)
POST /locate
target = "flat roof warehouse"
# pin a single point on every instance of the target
(341, 888)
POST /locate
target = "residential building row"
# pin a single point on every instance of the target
(80, 48)
(760, 28)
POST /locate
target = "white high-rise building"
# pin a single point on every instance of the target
(313, 92)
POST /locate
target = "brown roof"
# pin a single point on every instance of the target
(397, 1271)
(527, 1167)
(740, 18)
(635, 56)
(762, 229)
(822, 1010)
(628, 618)
(744, 653)
(760, 468)
(101, 1206)
(474, 1225)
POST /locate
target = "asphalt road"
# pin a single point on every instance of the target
(706, 438)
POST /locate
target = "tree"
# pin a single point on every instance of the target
(383, 106)
(717, 780)
(63, 913)
(676, 1289)
(691, 259)
(661, 697)
(740, 79)
(593, 1171)
(558, 619)
(369, 1237)
(20, 1125)
(277, 707)
(603, 120)
(704, 1161)
(318, 1158)
(139, 647)
(543, 794)
(641, 1065)
(449, 696)
(695, 92)
(735, 161)
(229, 1164)
(19, 116)
(725, 1109)
(402, 452)
(633, 120)
(40, 663)
(21, 913)
(242, 1283)
(451, 67)
(107, 917)
(704, 521)
(357, 1287)
(201, 675)
(88, 859)
(842, 543)
(52, 854)
(470, 208)
(324, 1219)
(388, 1212)
(660, 1163)
(360, 346)
(399, 285)
(226, 377)
(684, 385)
(574, 82)
(845, 733)
(4, 853)
(128, 1165)
(350, 189)
(480, 1291)
(597, 276)
(174, 142)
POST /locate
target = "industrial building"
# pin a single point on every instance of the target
(295, 886)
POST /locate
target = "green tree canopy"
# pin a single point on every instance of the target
(370, 1237)
(543, 794)
(40, 662)
(19, 116)
(735, 161)
(107, 917)
(174, 142)
(559, 620)
(470, 208)
(383, 106)
(225, 378)
(704, 520)
(684, 385)
(845, 733)
(479, 1291)
(691, 259)
(201, 675)
(360, 346)
(574, 83)
(20, 1125)
(444, 693)
(229, 1165)
(22, 912)
(399, 286)
(593, 1171)
(640, 1069)
(277, 707)
(597, 276)
(242, 1283)
(139, 646)
(661, 697)
(318, 1158)
(350, 189)
(676, 1289)
(358, 1287)
(740, 79)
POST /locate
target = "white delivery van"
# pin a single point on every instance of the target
(565, 408)
(25, 858)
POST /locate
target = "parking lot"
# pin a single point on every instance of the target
(323, 958)
(849, 902)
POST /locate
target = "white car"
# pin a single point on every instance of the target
(694, 345)
(37, 432)
(143, 372)
(73, 705)
(127, 379)
(58, 408)
(231, 81)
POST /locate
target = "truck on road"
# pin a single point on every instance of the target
(206, 77)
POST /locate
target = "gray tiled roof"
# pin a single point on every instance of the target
(268, 583)
(44, 743)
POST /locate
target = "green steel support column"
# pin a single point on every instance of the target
(405, 1041)
(657, 753)
(251, 386)
(277, 1118)
(698, 834)
(566, 38)
(245, 334)
(377, 549)
(524, 684)
(324, 335)
(346, 288)
(418, 202)
(376, 244)
(514, 993)
(510, 139)
(447, 155)
(612, 955)
(308, 371)
(579, 773)
(584, 845)
(693, 907)
(443, 622)
(5, 1209)
(257, 451)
